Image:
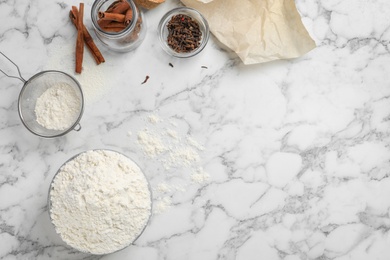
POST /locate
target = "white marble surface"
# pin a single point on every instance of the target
(297, 151)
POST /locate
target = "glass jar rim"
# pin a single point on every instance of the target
(194, 14)
(94, 10)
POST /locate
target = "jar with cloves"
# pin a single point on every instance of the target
(183, 32)
(119, 24)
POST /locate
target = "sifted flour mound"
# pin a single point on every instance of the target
(100, 202)
(58, 107)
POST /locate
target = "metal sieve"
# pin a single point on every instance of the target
(33, 88)
(149, 188)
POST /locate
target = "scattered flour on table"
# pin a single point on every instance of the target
(94, 79)
(167, 146)
(163, 187)
(171, 152)
(200, 176)
(175, 152)
(152, 145)
(172, 133)
(100, 202)
(194, 143)
(58, 107)
(185, 156)
(162, 205)
(153, 119)
(166, 188)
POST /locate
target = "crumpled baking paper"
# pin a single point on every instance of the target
(257, 30)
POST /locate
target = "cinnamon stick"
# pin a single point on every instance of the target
(115, 25)
(112, 16)
(118, 12)
(103, 23)
(113, 29)
(128, 16)
(80, 39)
(73, 14)
(112, 5)
(121, 7)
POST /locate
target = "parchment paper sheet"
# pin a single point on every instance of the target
(257, 30)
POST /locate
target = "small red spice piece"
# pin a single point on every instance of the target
(146, 79)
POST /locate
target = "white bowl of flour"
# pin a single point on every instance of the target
(99, 202)
(51, 104)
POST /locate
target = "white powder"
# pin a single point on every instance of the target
(194, 143)
(162, 205)
(200, 176)
(96, 80)
(151, 144)
(58, 107)
(182, 156)
(166, 146)
(177, 152)
(171, 153)
(100, 202)
(163, 187)
(153, 119)
(172, 133)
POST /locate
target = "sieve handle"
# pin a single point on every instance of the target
(15, 77)
(77, 127)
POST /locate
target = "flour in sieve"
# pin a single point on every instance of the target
(58, 107)
(100, 202)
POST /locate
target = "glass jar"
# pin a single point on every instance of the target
(126, 39)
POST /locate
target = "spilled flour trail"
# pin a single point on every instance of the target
(177, 153)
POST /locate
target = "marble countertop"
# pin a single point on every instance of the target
(288, 160)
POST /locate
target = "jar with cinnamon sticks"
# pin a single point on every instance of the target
(119, 24)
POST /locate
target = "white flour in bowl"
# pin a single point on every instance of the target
(58, 107)
(100, 202)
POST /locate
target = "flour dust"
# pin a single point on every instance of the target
(94, 78)
(178, 154)
(100, 202)
(58, 107)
